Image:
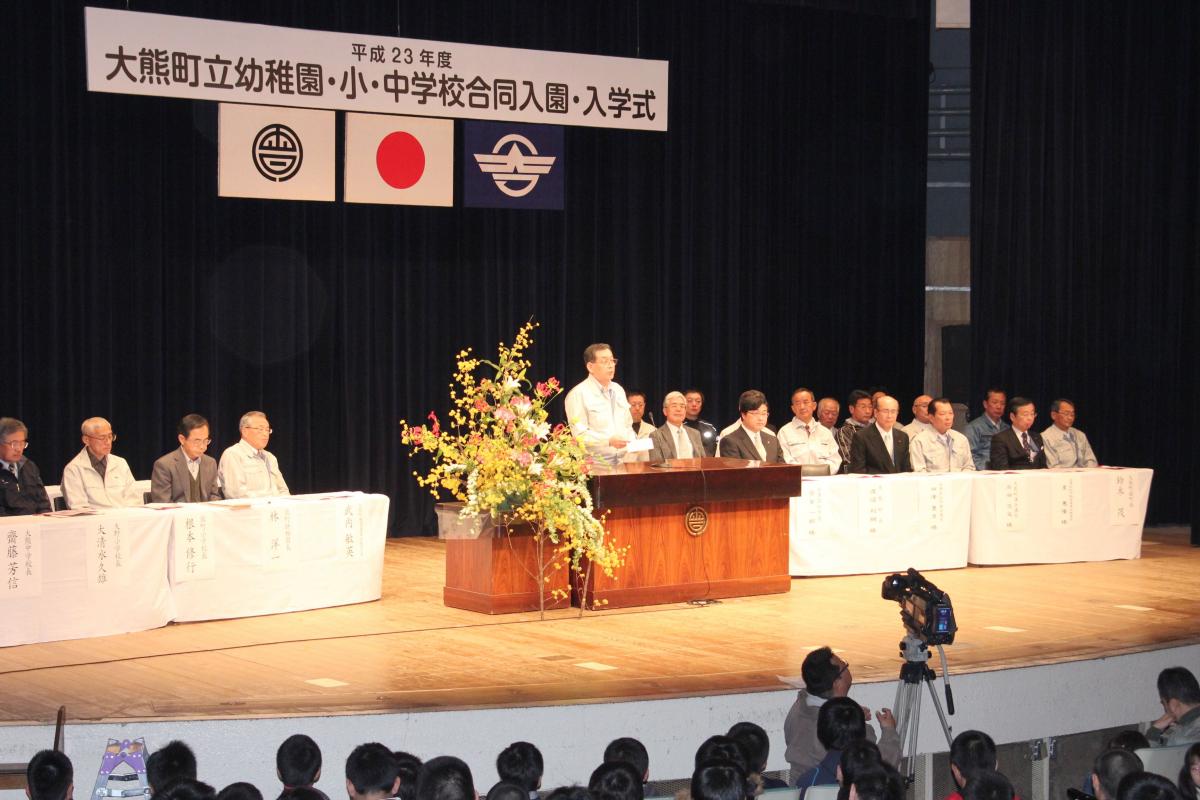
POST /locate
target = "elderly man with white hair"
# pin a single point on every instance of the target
(95, 478)
(674, 439)
(247, 469)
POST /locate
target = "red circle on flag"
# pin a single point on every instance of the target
(400, 159)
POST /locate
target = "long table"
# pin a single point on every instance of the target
(132, 569)
(861, 524)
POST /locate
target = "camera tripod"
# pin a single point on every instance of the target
(914, 672)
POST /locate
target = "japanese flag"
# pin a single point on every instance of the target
(275, 153)
(400, 160)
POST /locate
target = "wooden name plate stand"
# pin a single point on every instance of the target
(743, 551)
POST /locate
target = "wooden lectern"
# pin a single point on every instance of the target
(697, 528)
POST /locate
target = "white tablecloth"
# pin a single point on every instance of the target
(1055, 516)
(95, 575)
(855, 524)
(133, 569)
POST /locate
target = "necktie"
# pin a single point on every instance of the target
(949, 451)
(1025, 443)
(758, 445)
(12, 468)
(679, 442)
(887, 442)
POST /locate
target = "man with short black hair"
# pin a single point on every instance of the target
(521, 763)
(597, 409)
(50, 776)
(615, 780)
(749, 440)
(860, 409)
(941, 448)
(981, 429)
(1110, 768)
(826, 676)
(297, 763)
(445, 778)
(1180, 697)
(371, 773)
(881, 448)
(708, 431)
(840, 723)
(186, 475)
(1019, 447)
(21, 488)
(631, 751)
(1066, 445)
(170, 762)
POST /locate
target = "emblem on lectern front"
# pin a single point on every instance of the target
(695, 519)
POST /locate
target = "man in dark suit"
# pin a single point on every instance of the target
(186, 475)
(881, 448)
(674, 439)
(1019, 447)
(749, 440)
(21, 488)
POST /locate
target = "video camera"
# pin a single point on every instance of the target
(925, 608)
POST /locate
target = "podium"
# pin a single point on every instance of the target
(697, 528)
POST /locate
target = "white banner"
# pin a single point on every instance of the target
(22, 561)
(275, 153)
(194, 547)
(132, 52)
(278, 549)
(107, 553)
(399, 160)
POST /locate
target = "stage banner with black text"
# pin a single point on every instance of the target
(134, 52)
(508, 165)
(275, 153)
(399, 160)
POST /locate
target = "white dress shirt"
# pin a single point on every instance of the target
(809, 443)
(246, 472)
(597, 414)
(928, 452)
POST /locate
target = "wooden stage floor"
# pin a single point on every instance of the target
(409, 652)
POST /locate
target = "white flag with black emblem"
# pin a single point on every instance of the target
(275, 153)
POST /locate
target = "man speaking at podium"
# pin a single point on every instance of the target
(597, 409)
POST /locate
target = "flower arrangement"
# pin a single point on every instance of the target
(502, 459)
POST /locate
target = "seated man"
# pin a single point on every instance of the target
(921, 411)
(172, 762)
(827, 413)
(641, 428)
(371, 773)
(840, 723)
(521, 763)
(445, 778)
(21, 488)
(826, 676)
(1066, 446)
(297, 763)
(881, 448)
(674, 439)
(708, 431)
(1019, 447)
(805, 440)
(981, 429)
(1180, 697)
(50, 776)
(1110, 769)
(632, 752)
(96, 478)
(614, 780)
(860, 408)
(941, 448)
(246, 468)
(749, 440)
(186, 475)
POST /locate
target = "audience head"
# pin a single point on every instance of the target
(615, 780)
(722, 748)
(1021, 414)
(14, 438)
(300, 793)
(1130, 740)
(994, 401)
(1189, 774)
(49, 776)
(1146, 786)
(637, 405)
(570, 793)
(445, 778)
(1178, 690)
(98, 436)
(1062, 411)
(371, 772)
(941, 414)
(827, 411)
(255, 429)
(752, 405)
(987, 784)
(170, 762)
(887, 409)
(193, 435)
(521, 763)
(719, 780)
(695, 403)
(248, 791)
(408, 767)
(840, 722)
(754, 742)
(826, 674)
(920, 408)
(503, 790)
(1110, 768)
(877, 783)
(631, 751)
(186, 789)
(804, 404)
(970, 752)
(857, 758)
(298, 761)
(859, 406)
(675, 408)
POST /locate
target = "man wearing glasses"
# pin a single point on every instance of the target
(186, 475)
(21, 489)
(96, 478)
(247, 469)
(749, 440)
(597, 409)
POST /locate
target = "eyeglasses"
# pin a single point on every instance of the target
(260, 430)
(102, 437)
(606, 361)
(205, 442)
(16, 445)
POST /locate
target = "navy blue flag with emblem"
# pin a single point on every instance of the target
(510, 165)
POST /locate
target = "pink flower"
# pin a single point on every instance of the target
(435, 427)
(504, 414)
(481, 404)
(524, 458)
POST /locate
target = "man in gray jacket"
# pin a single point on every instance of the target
(1180, 697)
